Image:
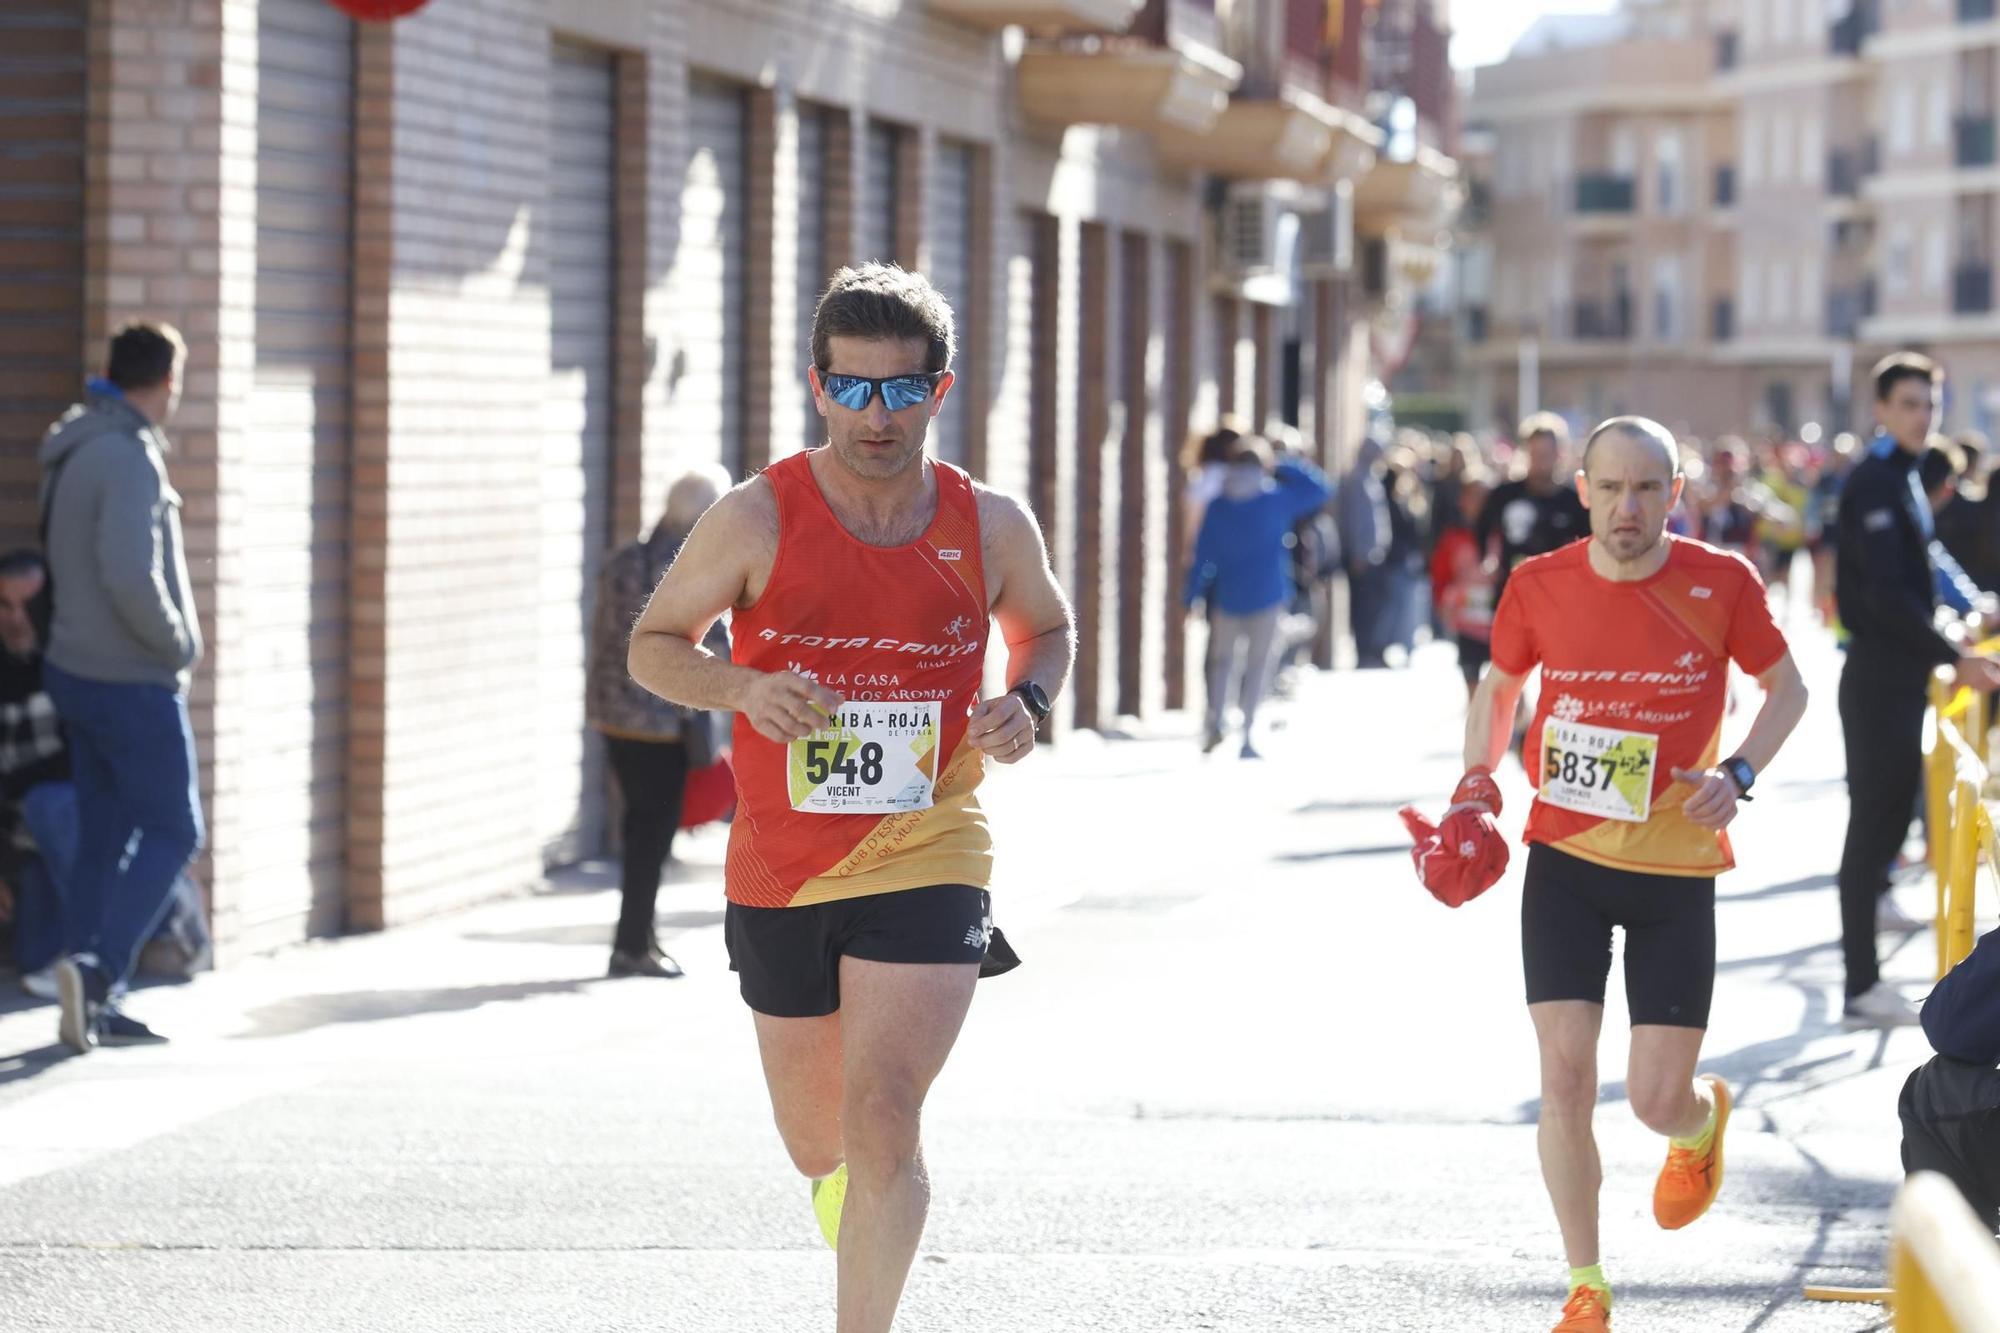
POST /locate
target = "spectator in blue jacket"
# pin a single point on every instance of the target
(1951, 1106)
(1241, 559)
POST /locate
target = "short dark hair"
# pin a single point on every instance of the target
(883, 302)
(1543, 423)
(20, 562)
(1896, 367)
(1216, 445)
(143, 355)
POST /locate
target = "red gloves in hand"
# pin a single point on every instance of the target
(1466, 855)
(1477, 787)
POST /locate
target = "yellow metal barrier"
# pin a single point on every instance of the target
(1944, 1267)
(1959, 825)
(1940, 765)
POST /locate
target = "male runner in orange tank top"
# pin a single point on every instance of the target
(862, 578)
(1634, 631)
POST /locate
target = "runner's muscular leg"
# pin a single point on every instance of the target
(1567, 1031)
(1659, 1079)
(802, 1070)
(898, 1023)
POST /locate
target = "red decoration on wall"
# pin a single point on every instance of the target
(379, 11)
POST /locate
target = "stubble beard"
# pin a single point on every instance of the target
(878, 467)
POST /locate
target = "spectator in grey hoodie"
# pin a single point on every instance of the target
(122, 646)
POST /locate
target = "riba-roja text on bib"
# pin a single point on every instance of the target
(870, 758)
(1599, 770)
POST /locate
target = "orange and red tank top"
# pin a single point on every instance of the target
(882, 799)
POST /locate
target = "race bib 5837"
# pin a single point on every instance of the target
(870, 758)
(1599, 770)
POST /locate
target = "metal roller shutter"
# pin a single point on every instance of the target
(41, 240)
(576, 458)
(879, 175)
(709, 274)
(293, 593)
(813, 268)
(949, 220)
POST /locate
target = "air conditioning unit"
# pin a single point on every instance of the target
(1249, 236)
(1326, 236)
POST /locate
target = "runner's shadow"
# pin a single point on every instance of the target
(304, 1013)
(1342, 853)
(28, 1064)
(1804, 884)
(1358, 805)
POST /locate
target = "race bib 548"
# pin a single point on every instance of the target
(870, 758)
(1599, 770)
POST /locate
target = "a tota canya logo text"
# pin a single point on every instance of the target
(837, 641)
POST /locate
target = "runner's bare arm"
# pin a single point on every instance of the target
(1034, 620)
(1713, 803)
(1489, 719)
(731, 545)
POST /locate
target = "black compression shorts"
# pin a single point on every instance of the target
(1568, 907)
(788, 958)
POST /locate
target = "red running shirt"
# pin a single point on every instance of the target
(894, 631)
(1646, 662)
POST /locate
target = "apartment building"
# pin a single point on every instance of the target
(464, 291)
(1724, 212)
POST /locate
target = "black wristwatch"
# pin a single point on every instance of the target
(1035, 697)
(1739, 770)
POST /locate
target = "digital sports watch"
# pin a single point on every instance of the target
(1035, 697)
(1739, 770)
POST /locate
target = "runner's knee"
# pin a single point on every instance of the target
(881, 1126)
(1569, 1087)
(813, 1150)
(1662, 1108)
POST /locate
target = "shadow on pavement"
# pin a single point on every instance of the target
(303, 1013)
(1804, 884)
(597, 934)
(1360, 804)
(1343, 853)
(27, 1064)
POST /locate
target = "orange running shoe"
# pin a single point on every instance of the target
(1689, 1181)
(1585, 1312)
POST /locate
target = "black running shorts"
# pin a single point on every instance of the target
(1568, 907)
(788, 958)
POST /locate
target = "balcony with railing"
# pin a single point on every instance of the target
(1722, 319)
(1152, 76)
(1279, 124)
(1044, 18)
(1602, 192)
(1603, 321)
(1725, 186)
(1972, 289)
(1973, 141)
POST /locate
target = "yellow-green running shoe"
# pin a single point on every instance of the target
(829, 1196)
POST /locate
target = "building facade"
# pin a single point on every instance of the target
(1724, 211)
(463, 293)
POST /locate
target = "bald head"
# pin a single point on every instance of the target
(1642, 431)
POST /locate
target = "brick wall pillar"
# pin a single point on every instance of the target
(762, 320)
(632, 510)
